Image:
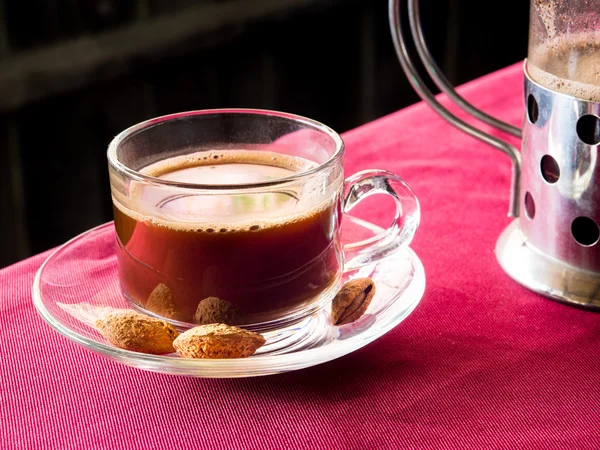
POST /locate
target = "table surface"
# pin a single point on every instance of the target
(481, 362)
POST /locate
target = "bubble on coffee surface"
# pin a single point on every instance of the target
(171, 212)
(569, 66)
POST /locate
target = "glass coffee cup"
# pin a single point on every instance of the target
(238, 213)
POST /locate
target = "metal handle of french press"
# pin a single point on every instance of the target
(444, 85)
(553, 248)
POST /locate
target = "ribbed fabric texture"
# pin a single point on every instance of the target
(481, 363)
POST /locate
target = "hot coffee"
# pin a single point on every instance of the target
(268, 253)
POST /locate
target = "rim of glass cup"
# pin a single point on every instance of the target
(137, 176)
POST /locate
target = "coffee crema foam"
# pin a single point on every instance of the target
(293, 164)
(280, 207)
(569, 66)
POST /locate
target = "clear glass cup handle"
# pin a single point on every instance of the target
(404, 224)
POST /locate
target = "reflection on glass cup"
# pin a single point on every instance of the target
(237, 213)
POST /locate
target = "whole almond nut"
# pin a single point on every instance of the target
(217, 341)
(352, 301)
(215, 310)
(162, 303)
(137, 332)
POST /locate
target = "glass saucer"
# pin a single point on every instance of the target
(85, 270)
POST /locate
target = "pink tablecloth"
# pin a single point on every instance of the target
(481, 363)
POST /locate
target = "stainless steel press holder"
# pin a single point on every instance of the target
(552, 245)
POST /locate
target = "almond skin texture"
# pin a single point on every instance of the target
(137, 332)
(215, 310)
(217, 341)
(352, 301)
(161, 302)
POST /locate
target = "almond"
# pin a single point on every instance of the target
(137, 332)
(351, 302)
(215, 310)
(217, 341)
(162, 303)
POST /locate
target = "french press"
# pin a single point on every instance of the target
(552, 245)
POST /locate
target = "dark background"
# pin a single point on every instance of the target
(74, 73)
